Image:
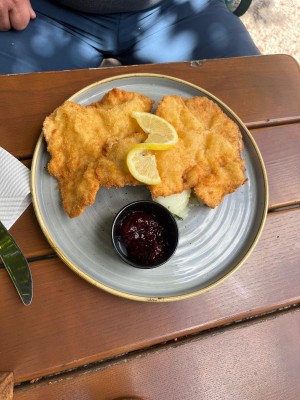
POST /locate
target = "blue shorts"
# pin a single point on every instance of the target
(175, 30)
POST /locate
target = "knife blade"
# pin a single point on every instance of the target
(16, 265)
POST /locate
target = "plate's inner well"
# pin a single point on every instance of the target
(212, 242)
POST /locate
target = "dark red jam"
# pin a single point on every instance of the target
(143, 237)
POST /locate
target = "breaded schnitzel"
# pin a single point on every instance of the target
(88, 145)
(207, 156)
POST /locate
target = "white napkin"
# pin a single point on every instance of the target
(14, 188)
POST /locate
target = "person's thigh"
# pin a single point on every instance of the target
(58, 39)
(184, 30)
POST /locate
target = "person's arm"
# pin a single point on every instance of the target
(15, 14)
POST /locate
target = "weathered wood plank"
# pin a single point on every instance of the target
(6, 385)
(72, 323)
(258, 89)
(259, 360)
(280, 149)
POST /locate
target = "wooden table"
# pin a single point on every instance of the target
(241, 340)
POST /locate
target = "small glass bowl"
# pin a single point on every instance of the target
(164, 218)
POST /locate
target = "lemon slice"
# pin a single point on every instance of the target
(161, 134)
(142, 165)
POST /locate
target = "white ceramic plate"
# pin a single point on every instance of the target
(213, 242)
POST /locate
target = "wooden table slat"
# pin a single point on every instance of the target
(254, 361)
(6, 385)
(280, 148)
(71, 322)
(246, 84)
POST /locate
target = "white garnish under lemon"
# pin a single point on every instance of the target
(177, 203)
(161, 136)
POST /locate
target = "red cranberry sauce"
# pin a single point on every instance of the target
(143, 237)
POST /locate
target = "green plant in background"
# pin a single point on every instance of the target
(238, 7)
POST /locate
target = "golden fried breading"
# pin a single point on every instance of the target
(112, 169)
(81, 139)
(207, 156)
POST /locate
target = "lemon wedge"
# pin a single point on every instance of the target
(161, 134)
(142, 165)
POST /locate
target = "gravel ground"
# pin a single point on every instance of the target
(275, 26)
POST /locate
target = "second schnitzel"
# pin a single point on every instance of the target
(207, 156)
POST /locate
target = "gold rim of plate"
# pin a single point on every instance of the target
(118, 292)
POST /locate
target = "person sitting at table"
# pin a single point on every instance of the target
(44, 35)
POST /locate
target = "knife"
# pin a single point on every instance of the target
(16, 265)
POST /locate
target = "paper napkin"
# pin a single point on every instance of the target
(15, 194)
